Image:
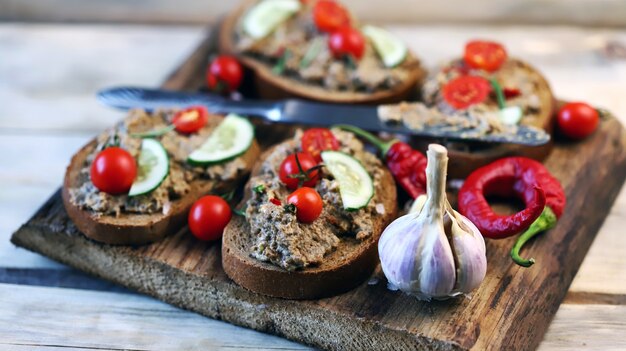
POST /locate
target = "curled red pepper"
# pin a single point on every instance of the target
(407, 165)
(513, 176)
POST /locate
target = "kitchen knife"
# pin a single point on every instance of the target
(303, 112)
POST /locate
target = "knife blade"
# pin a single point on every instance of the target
(296, 111)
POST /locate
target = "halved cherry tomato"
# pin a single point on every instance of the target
(465, 91)
(113, 170)
(208, 217)
(224, 74)
(347, 41)
(308, 203)
(190, 120)
(487, 55)
(316, 140)
(577, 120)
(329, 15)
(290, 174)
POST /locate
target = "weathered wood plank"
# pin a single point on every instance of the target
(76, 62)
(587, 327)
(117, 321)
(578, 12)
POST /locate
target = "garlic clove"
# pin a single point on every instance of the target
(470, 254)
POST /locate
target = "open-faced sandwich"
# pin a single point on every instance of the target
(317, 50)
(484, 90)
(314, 207)
(135, 183)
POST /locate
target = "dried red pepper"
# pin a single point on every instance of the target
(507, 177)
(407, 165)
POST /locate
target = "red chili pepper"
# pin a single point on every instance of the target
(513, 176)
(408, 166)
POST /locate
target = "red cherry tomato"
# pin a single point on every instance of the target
(289, 167)
(308, 204)
(316, 140)
(190, 120)
(347, 41)
(224, 74)
(329, 16)
(577, 120)
(465, 91)
(208, 217)
(487, 55)
(113, 170)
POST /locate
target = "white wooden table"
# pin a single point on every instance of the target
(48, 77)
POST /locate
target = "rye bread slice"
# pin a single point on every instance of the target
(138, 229)
(464, 158)
(342, 270)
(272, 86)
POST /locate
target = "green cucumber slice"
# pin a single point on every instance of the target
(265, 16)
(355, 184)
(389, 47)
(230, 139)
(153, 165)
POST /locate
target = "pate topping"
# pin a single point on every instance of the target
(298, 35)
(287, 243)
(174, 186)
(481, 118)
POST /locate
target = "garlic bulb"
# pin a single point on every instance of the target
(434, 252)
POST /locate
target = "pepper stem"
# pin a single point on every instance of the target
(547, 220)
(381, 145)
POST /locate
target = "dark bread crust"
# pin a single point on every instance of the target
(138, 229)
(462, 163)
(272, 86)
(342, 270)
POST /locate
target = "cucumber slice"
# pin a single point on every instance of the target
(389, 47)
(153, 165)
(230, 139)
(263, 18)
(355, 184)
(511, 115)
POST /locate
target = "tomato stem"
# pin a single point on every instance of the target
(547, 220)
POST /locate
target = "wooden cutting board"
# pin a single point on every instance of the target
(510, 310)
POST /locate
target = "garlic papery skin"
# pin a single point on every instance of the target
(433, 252)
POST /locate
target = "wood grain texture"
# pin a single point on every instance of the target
(121, 321)
(187, 273)
(579, 12)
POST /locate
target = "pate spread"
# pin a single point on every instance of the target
(287, 243)
(482, 118)
(177, 183)
(298, 35)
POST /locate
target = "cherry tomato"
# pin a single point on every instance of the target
(465, 91)
(224, 74)
(316, 140)
(289, 167)
(208, 217)
(347, 41)
(190, 120)
(577, 120)
(329, 16)
(487, 55)
(308, 204)
(113, 170)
